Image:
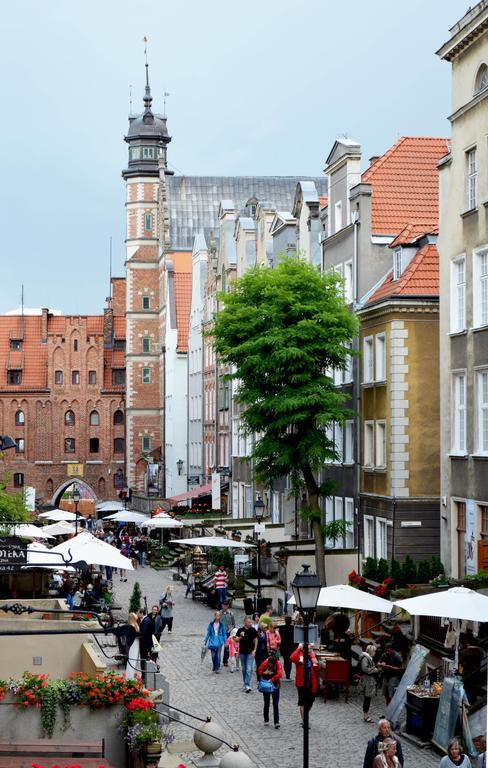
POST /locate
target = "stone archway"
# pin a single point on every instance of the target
(58, 493)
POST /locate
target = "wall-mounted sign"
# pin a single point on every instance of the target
(411, 524)
(13, 551)
(74, 470)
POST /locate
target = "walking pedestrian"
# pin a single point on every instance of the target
(387, 754)
(229, 622)
(266, 617)
(133, 665)
(146, 629)
(220, 586)
(270, 674)
(215, 638)
(141, 548)
(391, 665)
(455, 756)
(273, 640)
(287, 646)
(306, 693)
(248, 639)
(384, 731)
(261, 648)
(166, 603)
(190, 580)
(367, 683)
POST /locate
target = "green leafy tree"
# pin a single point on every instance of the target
(135, 599)
(13, 508)
(283, 330)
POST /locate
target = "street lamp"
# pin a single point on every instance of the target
(6, 442)
(258, 514)
(306, 589)
(179, 464)
(76, 500)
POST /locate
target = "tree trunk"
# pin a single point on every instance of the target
(316, 517)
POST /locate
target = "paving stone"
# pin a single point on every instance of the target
(338, 735)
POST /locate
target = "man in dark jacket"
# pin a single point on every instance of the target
(384, 730)
(287, 645)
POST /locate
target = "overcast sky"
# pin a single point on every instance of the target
(256, 88)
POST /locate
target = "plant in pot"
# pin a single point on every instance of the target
(142, 731)
(236, 535)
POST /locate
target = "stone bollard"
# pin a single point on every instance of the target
(235, 759)
(208, 742)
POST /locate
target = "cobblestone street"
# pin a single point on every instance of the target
(338, 735)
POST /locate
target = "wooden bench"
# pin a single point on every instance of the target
(49, 753)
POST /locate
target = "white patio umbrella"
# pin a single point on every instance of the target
(110, 506)
(38, 556)
(60, 514)
(455, 603)
(213, 541)
(28, 531)
(92, 551)
(161, 522)
(127, 516)
(345, 596)
(63, 528)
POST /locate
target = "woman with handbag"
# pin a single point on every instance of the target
(215, 640)
(367, 683)
(270, 673)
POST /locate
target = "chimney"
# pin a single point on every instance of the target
(373, 159)
(44, 323)
(108, 325)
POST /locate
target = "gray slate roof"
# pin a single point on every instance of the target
(193, 201)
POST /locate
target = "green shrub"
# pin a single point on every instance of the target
(436, 567)
(409, 571)
(382, 571)
(396, 571)
(135, 600)
(423, 572)
(370, 568)
(221, 556)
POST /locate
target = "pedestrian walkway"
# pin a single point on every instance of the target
(338, 735)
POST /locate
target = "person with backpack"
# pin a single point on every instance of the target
(270, 673)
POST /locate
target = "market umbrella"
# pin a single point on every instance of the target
(60, 514)
(87, 548)
(345, 596)
(213, 541)
(28, 531)
(161, 522)
(63, 528)
(127, 516)
(40, 557)
(110, 506)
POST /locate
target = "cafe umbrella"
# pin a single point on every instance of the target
(345, 596)
(60, 514)
(87, 548)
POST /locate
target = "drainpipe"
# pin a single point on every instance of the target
(357, 388)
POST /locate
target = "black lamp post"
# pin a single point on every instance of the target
(306, 589)
(258, 514)
(179, 465)
(6, 442)
(76, 500)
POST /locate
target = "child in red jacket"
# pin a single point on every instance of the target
(272, 671)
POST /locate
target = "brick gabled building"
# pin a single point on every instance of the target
(62, 399)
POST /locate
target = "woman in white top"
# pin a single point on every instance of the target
(455, 757)
(133, 667)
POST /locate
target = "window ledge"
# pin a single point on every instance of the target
(380, 470)
(94, 461)
(454, 455)
(482, 456)
(367, 384)
(380, 383)
(467, 214)
(478, 328)
(368, 469)
(458, 333)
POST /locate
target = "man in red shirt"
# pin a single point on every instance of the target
(220, 586)
(306, 694)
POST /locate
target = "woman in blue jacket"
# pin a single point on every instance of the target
(215, 640)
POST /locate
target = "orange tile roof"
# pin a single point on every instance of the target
(182, 260)
(413, 232)
(405, 184)
(420, 278)
(33, 355)
(119, 327)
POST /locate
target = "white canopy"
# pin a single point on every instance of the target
(110, 506)
(345, 596)
(93, 551)
(60, 514)
(213, 541)
(454, 603)
(161, 522)
(28, 531)
(38, 555)
(63, 528)
(127, 516)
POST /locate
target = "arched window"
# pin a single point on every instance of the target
(69, 419)
(94, 419)
(49, 486)
(69, 445)
(75, 345)
(118, 417)
(19, 419)
(101, 487)
(18, 480)
(119, 445)
(481, 79)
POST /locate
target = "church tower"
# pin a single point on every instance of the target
(148, 139)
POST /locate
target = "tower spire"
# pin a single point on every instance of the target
(147, 92)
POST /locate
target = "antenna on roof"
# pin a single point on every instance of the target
(130, 100)
(147, 92)
(165, 96)
(110, 267)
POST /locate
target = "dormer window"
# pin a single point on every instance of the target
(481, 79)
(252, 206)
(397, 263)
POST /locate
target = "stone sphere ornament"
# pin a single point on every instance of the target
(211, 740)
(236, 759)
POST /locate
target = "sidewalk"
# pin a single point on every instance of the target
(338, 734)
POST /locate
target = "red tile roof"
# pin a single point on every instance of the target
(33, 354)
(420, 278)
(405, 184)
(182, 262)
(413, 232)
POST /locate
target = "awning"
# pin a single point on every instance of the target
(199, 490)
